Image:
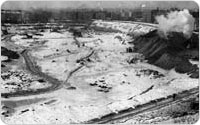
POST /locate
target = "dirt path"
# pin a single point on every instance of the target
(55, 84)
(34, 69)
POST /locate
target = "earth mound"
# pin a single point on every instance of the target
(175, 51)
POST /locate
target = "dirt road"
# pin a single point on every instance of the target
(55, 84)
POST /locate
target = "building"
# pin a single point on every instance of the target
(11, 16)
(157, 12)
(146, 16)
(100, 15)
(195, 14)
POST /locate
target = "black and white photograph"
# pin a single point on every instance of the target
(99, 62)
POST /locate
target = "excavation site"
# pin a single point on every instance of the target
(96, 64)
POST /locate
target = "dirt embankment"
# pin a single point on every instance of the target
(172, 52)
(9, 53)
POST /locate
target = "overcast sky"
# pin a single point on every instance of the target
(26, 5)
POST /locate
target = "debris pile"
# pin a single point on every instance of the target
(102, 85)
(16, 81)
(149, 72)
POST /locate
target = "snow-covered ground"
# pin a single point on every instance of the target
(36, 39)
(13, 81)
(125, 27)
(106, 83)
(3, 58)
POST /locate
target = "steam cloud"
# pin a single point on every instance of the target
(176, 21)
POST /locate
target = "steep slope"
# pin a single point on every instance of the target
(172, 52)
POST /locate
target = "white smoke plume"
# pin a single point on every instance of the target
(176, 21)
